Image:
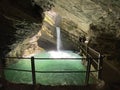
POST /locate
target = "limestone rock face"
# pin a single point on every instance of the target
(81, 12)
(19, 21)
(105, 35)
(75, 15)
(97, 19)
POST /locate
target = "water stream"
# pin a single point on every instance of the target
(58, 38)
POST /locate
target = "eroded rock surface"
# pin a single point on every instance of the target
(19, 21)
(97, 19)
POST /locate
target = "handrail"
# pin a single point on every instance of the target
(96, 56)
(93, 50)
(33, 71)
(69, 71)
(48, 58)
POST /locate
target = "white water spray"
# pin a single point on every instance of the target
(58, 38)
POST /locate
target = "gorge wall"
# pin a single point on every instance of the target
(106, 31)
(99, 20)
(19, 21)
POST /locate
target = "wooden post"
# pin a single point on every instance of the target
(100, 67)
(88, 71)
(33, 71)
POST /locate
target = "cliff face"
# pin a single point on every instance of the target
(16, 23)
(81, 12)
(97, 19)
(106, 31)
(19, 21)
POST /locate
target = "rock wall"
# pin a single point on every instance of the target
(20, 22)
(97, 19)
(18, 19)
(81, 12)
(105, 35)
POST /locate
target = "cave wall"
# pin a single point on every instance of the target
(81, 12)
(98, 19)
(19, 21)
(16, 23)
(105, 33)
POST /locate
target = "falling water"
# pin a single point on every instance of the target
(58, 38)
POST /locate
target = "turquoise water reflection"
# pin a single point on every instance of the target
(49, 65)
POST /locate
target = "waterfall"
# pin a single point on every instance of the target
(58, 38)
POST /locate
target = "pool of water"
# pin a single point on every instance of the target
(49, 65)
